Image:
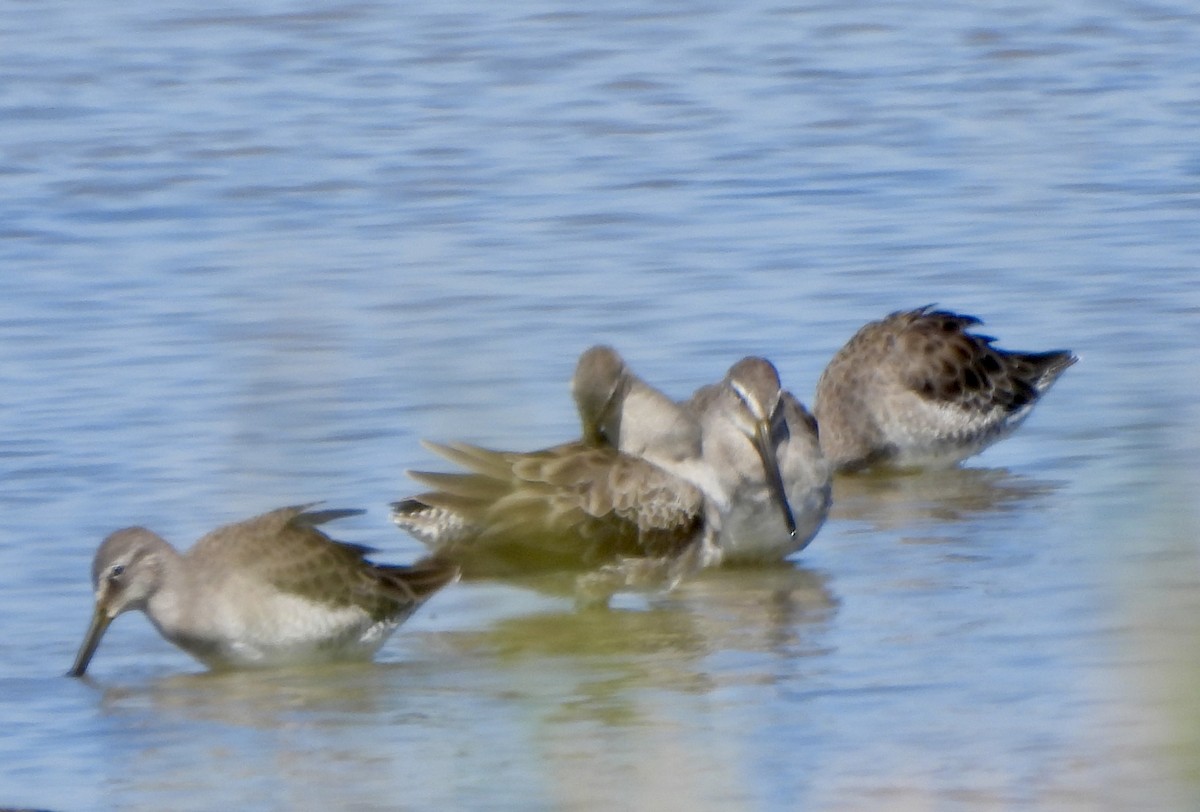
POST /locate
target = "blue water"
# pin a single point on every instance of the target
(251, 255)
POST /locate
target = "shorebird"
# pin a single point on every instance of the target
(652, 484)
(583, 504)
(916, 389)
(573, 506)
(746, 442)
(619, 410)
(762, 468)
(271, 590)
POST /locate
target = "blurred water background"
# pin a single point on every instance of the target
(252, 253)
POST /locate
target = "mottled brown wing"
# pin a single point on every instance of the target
(287, 549)
(937, 358)
(572, 504)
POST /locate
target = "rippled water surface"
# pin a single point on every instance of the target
(253, 253)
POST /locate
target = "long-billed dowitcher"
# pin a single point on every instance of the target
(571, 506)
(699, 486)
(762, 466)
(749, 444)
(917, 389)
(580, 504)
(270, 590)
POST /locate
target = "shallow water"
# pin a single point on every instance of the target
(251, 256)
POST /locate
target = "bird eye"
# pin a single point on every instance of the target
(116, 571)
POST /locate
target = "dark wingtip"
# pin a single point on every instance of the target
(1050, 365)
(403, 506)
(316, 517)
(424, 577)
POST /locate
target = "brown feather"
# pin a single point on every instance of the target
(869, 398)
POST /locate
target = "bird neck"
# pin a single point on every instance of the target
(167, 604)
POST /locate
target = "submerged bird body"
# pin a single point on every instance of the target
(272, 590)
(916, 389)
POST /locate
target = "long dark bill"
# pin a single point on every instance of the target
(766, 451)
(91, 641)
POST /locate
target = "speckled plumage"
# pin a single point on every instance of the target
(918, 389)
(266, 591)
(711, 441)
(583, 504)
(571, 506)
(651, 479)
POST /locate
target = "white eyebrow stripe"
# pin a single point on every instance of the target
(751, 403)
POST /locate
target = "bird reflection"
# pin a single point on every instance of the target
(889, 500)
(724, 626)
(772, 618)
(761, 609)
(573, 696)
(257, 700)
(773, 609)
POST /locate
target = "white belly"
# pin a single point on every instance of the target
(274, 629)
